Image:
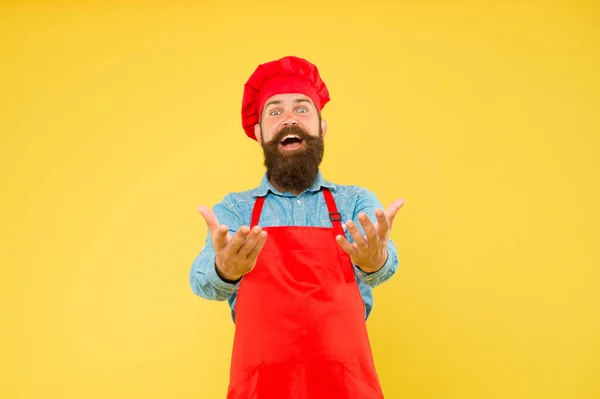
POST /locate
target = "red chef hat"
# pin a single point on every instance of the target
(286, 75)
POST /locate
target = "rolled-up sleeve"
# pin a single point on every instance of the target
(385, 273)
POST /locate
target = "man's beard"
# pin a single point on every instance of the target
(297, 170)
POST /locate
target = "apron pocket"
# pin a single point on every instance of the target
(314, 380)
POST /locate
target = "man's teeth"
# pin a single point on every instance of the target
(290, 136)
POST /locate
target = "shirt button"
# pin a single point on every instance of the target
(298, 201)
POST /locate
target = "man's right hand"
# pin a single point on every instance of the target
(234, 255)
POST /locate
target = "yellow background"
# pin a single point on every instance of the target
(118, 119)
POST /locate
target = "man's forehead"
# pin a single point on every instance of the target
(288, 98)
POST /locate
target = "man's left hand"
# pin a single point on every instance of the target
(369, 252)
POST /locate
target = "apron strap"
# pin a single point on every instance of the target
(258, 205)
(334, 215)
(336, 220)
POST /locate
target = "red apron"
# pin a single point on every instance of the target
(300, 328)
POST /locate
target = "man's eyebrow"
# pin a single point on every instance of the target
(302, 100)
(272, 103)
(296, 101)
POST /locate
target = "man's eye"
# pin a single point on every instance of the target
(302, 110)
(275, 112)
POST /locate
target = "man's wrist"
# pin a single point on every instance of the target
(375, 269)
(226, 279)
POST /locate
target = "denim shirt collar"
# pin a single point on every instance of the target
(266, 186)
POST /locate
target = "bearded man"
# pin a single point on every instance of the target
(297, 257)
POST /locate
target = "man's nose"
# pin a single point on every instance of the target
(289, 119)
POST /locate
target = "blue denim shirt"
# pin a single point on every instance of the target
(285, 209)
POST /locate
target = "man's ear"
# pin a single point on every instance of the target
(257, 133)
(324, 126)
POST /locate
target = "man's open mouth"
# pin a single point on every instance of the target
(291, 142)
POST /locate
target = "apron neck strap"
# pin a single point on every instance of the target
(334, 215)
(258, 205)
